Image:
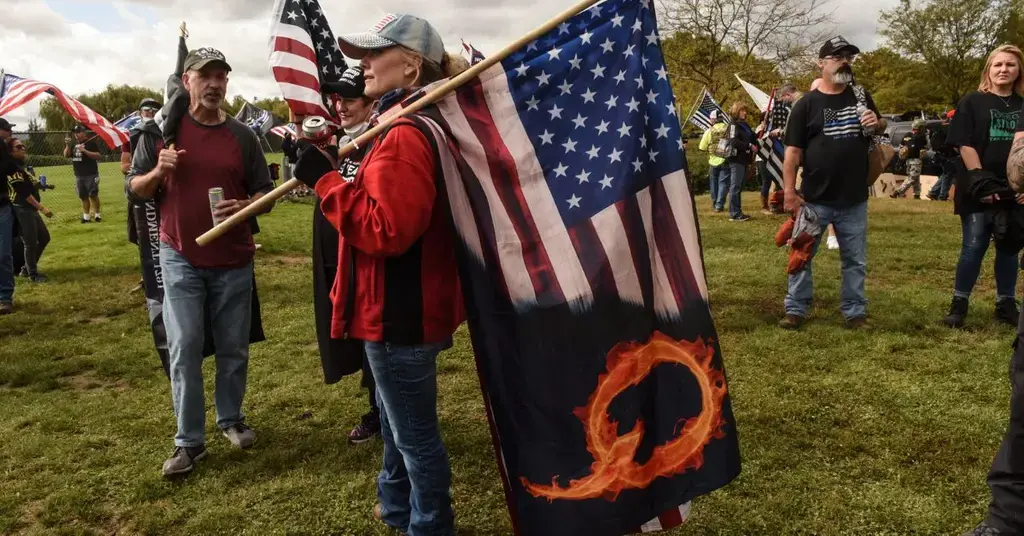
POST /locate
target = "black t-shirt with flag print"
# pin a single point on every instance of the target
(82, 164)
(985, 122)
(835, 159)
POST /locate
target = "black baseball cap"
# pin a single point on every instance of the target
(835, 45)
(201, 57)
(78, 128)
(151, 102)
(6, 125)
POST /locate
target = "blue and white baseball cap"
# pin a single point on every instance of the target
(409, 31)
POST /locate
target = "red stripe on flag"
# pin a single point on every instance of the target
(287, 75)
(671, 248)
(302, 108)
(298, 48)
(593, 258)
(636, 234)
(507, 184)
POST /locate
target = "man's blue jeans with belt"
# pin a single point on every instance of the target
(190, 292)
(851, 225)
(414, 483)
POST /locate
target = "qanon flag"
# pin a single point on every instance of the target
(581, 265)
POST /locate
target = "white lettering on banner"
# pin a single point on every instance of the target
(153, 226)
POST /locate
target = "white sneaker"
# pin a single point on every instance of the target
(833, 242)
(240, 435)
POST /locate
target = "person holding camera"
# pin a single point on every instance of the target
(84, 155)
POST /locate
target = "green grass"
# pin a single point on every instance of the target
(889, 431)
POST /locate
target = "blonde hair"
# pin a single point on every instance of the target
(427, 71)
(1018, 84)
(736, 108)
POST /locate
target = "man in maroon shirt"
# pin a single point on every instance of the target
(212, 150)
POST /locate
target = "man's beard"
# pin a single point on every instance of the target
(843, 75)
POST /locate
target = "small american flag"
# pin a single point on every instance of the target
(304, 55)
(128, 122)
(16, 91)
(471, 53)
(285, 130)
(701, 117)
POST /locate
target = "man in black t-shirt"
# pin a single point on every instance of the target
(827, 135)
(84, 154)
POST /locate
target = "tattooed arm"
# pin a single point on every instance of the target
(1015, 164)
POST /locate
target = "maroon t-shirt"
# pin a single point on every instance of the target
(229, 156)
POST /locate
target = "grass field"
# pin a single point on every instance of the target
(888, 431)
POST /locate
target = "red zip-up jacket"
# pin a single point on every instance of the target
(396, 241)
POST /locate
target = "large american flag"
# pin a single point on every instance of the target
(304, 55)
(567, 182)
(15, 92)
(701, 116)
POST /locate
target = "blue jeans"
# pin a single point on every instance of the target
(941, 188)
(737, 174)
(414, 481)
(977, 233)
(715, 174)
(851, 225)
(6, 257)
(188, 293)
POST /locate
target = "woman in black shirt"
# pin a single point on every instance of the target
(27, 207)
(983, 129)
(742, 139)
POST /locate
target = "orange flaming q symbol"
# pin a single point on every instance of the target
(614, 469)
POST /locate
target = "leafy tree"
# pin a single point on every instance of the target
(36, 144)
(898, 84)
(950, 37)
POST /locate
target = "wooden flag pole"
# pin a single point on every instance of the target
(261, 204)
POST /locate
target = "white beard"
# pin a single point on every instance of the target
(842, 78)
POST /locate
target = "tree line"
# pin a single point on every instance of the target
(931, 55)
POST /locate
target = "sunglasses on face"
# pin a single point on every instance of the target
(148, 109)
(18, 148)
(841, 57)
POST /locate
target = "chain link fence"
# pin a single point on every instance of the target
(45, 156)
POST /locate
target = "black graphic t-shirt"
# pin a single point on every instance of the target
(835, 160)
(23, 185)
(83, 165)
(916, 143)
(985, 122)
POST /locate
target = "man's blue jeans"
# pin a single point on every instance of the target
(413, 485)
(715, 174)
(941, 188)
(977, 234)
(851, 225)
(6, 256)
(188, 293)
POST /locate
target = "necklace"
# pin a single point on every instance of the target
(1006, 100)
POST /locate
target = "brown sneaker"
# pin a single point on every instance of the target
(791, 322)
(857, 322)
(377, 516)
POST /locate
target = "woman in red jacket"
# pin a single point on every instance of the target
(397, 288)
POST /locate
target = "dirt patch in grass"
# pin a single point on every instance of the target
(291, 260)
(90, 381)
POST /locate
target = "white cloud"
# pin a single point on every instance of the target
(40, 43)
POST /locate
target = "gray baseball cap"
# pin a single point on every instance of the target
(407, 30)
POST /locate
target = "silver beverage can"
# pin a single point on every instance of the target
(216, 196)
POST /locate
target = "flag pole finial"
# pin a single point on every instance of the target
(184, 30)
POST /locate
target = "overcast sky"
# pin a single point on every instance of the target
(82, 45)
